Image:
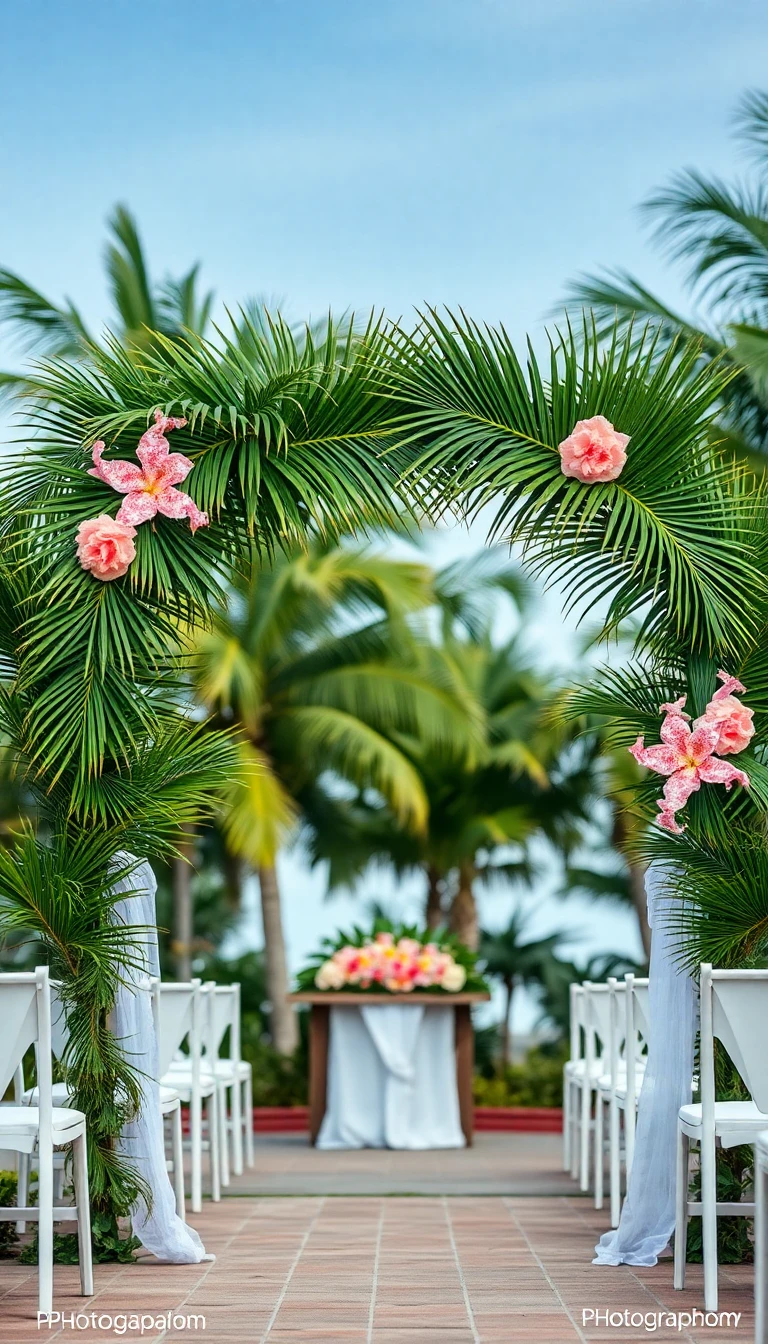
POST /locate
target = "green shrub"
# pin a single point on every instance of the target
(538, 1081)
(8, 1236)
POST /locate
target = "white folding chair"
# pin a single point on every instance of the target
(761, 1237)
(232, 1073)
(636, 1035)
(734, 1009)
(25, 1012)
(596, 1030)
(606, 1095)
(170, 1108)
(180, 1011)
(580, 1078)
(571, 1074)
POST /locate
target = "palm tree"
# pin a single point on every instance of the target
(720, 232)
(140, 307)
(517, 961)
(315, 660)
(484, 809)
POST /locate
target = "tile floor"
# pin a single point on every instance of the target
(384, 1270)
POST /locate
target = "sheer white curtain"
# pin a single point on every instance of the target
(159, 1228)
(648, 1216)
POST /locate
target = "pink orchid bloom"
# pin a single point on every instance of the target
(150, 488)
(686, 757)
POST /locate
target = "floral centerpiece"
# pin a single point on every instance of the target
(393, 959)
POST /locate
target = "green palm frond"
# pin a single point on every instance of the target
(666, 539)
(332, 739)
(38, 324)
(721, 231)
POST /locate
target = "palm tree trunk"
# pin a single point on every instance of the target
(183, 915)
(506, 1036)
(640, 902)
(283, 1025)
(463, 917)
(434, 897)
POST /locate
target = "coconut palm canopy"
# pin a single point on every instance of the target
(677, 541)
(719, 232)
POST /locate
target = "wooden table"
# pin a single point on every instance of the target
(321, 1002)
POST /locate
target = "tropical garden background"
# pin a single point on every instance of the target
(388, 715)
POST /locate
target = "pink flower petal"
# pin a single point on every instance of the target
(176, 504)
(714, 771)
(122, 476)
(153, 446)
(676, 733)
(174, 469)
(675, 707)
(731, 686)
(664, 760)
(138, 507)
(667, 820)
(680, 786)
(703, 740)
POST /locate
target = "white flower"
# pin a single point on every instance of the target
(454, 978)
(329, 976)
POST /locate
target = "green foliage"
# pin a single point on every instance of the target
(8, 1233)
(538, 1081)
(668, 541)
(720, 233)
(357, 937)
(108, 1245)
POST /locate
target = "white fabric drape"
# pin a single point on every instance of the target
(648, 1216)
(392, 1078)
(159, 1229)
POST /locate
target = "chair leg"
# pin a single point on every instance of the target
(761, 1209)
(250, 1157)
(83, 1202)
(576, 1129)
(614, 1150)
(237, 1129)
(22, 1188)
(45, 1231)
(212, 1115)
(709, 1224)
(178, 1162)
(586, 1107)
(599, 1150)
(566, 1123)
(196, 1146)
(681, 1209)
(223, 1136)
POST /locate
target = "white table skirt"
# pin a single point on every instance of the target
(391, 1078)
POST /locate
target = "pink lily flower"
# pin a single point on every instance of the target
(149, 489)
(686, 757)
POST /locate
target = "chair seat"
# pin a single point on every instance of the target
(228, 1068)
(61, 1094)
(735, 1121)
(576, 1068)
(604, 1083)
(19, 1126)
(180, 1082)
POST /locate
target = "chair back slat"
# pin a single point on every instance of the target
(598, 1011)
(642, 1008)
(174, 1018)
(222, 1010)
(18, 1014)
(740, 1021)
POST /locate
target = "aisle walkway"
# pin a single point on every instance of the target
(461, 1270)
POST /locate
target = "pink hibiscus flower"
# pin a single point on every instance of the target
(149, 489)
(685, 755)
(594, 451)
(733, 719)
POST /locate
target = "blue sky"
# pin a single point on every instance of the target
(365, 153)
